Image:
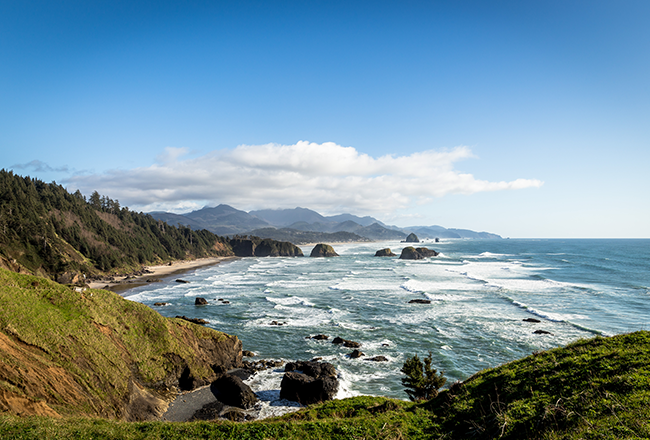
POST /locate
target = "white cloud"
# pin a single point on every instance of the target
(326, 177)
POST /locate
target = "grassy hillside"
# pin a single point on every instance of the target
(65, 352)
(598, 388)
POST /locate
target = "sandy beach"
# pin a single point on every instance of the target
(155, 273)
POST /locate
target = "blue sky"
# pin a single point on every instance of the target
(526, 119)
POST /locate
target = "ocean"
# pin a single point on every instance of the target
(480, 291)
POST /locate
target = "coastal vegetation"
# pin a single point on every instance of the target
(46, 230)
(67, 357)
(83, 363)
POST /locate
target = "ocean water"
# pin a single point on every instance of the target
(480, 292)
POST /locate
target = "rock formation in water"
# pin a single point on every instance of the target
(412, 238)
(411, 253)
(323, 250)
(385, 253)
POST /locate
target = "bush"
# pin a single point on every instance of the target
(422, 381)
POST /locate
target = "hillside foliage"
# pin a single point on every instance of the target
(48, 230)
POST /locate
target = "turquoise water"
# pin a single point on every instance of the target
(480, 291)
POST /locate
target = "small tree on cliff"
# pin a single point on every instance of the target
(422, 381)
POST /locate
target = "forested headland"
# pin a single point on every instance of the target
(46, 230)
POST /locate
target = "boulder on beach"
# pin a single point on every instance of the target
(385, 253)
(309, 382)
(411, 253)
(323, 250)
(232, 391)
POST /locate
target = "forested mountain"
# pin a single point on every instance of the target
(49, 231)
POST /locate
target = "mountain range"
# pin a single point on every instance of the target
(302, 225)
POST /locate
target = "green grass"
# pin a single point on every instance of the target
(591, 389)
(95, 338)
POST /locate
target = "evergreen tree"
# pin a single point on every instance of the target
(422, 381)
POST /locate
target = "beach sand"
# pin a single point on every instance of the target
(155, 272)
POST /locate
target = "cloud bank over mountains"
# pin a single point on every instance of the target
(326, 177)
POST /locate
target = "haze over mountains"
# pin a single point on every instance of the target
(302, 225)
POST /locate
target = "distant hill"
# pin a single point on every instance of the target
(276, 223)
(304, 237)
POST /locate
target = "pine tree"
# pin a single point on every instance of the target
(422, 381)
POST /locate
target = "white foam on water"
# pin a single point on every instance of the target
(266, 386)
(289, 301)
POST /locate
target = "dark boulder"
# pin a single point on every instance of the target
(232, 391)
(200, 302)
(194, 320)
(323, 250)
(420, 301)
(182, 281)
(411, 253)
(542, 332)
(346, 342)
(247, 353)
(159, 304)
(412, 238)
(210, 411)
(385, 253)
(356, 354)
(316, 383)
(320, 337)
(377, 359)
(533, 320)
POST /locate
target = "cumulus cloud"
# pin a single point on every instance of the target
(326, 177)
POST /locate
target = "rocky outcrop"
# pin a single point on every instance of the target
(309, 382)
(231, 390)
(257, 247)
(412, 238)
(346, 342)
(110, 357)
(323, 250)
(385, 253)
(200, 302)
(411, 253)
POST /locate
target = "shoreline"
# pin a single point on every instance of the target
(154, 273)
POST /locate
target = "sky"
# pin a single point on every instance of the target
(525, 119)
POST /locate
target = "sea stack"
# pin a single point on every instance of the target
(323, 250)
(412, 238)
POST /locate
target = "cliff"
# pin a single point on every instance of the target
(93, 353)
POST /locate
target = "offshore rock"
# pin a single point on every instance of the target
(385, 253)
(200, 302)
(411, 253)
(412, 238)
(323, 250)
